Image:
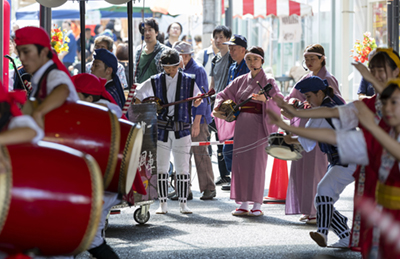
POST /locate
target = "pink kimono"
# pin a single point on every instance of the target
(251, 132)
(306, 173)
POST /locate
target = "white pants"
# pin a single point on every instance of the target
(180, 150)
(335, 180)
(110, 199)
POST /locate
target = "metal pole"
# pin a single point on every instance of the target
(228, 15)
(389, 24)
(45, 18)
(82, 12)
(130, 42)
(1, 38)
(395, 25)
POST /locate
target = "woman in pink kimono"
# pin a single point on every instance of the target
(251, 132)
(306, 173)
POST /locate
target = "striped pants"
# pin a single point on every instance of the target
(328, 216)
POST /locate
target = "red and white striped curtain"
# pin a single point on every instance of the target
(264, 8)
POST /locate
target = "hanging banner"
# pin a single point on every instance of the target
(290, 29)
(93, 17)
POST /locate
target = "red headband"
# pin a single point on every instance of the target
(12, 98)
(91, 84)
(37, 35)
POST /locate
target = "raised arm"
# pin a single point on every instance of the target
(320, 112)
(367, 75)
(320, 135)
(367, 119)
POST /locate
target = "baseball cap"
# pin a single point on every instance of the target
(237, 39)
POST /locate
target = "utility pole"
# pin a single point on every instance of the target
(228, 14)
(209, 8)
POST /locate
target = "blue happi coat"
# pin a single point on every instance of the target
(181, 121)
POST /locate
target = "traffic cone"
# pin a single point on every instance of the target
(279, 182)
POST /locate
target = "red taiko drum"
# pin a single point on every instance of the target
(50, 199)
(128, 157)
(89, 128)
(95, 130)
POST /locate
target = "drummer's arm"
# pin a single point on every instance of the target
(323, 135)
(290, 139)
(320, 112)
(17, 136)
(54, 100)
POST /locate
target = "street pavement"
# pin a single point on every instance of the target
(212, 232)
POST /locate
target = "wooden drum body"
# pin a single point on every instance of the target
(50, 199)
(128, 157)
(95, 130)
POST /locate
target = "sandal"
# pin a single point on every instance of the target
(240, 212)
(311, 221)
(304, 218)
(256, 213)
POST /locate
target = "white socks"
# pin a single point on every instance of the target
(256, 206)
(244, 205)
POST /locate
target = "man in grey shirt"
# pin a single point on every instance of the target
(221, 61)
(219, 76)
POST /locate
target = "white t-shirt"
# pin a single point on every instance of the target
(55, 78)
(27, 121)
(115, 108)
(145, 90)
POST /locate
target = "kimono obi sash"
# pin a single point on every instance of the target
(388, 196)
(252, 107)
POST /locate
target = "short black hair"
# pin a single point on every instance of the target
(169, 56)
(96, 29)
(169, 27)
(161, 37)
(224, 29)
(40, 48)
(88, 29)
(388, 91)
(149, 22)
(95, 97)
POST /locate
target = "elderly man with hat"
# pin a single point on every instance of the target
(201, 118)
(237, 49)
(105, 65)
(174, 124)
(51, 82)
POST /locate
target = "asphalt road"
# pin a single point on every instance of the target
(212, 232)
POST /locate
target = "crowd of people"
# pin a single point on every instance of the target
(358, 141)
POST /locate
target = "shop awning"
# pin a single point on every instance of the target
(264, 8)
(70, 10)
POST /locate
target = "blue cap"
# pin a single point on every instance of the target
(311, 84)
(108, 58)
(237, 40)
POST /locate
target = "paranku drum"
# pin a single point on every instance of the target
(278, 148)
(95, 130)
(51, 198)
